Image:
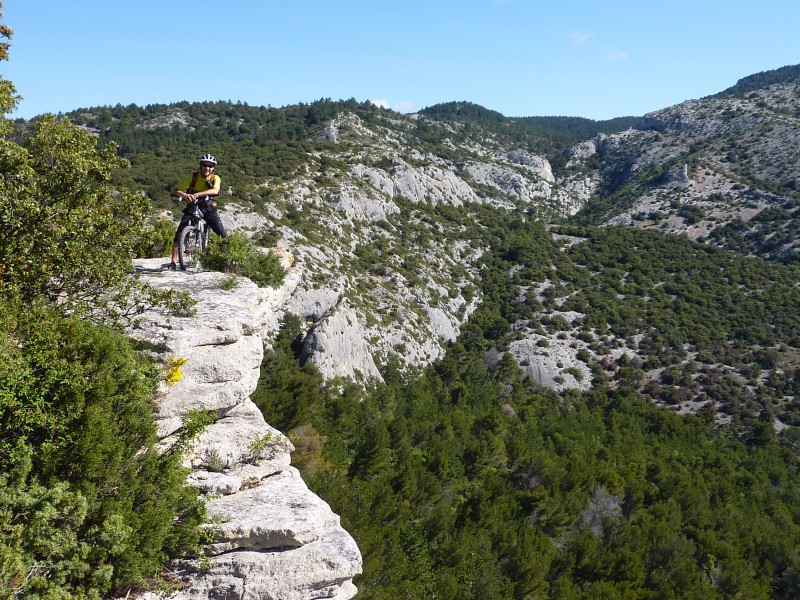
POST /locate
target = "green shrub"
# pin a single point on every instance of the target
(87, 504)
(157, 240)
(237, 255)
(69, 235)
(229, 284)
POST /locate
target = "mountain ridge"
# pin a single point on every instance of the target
(763, 79)
(389, 215)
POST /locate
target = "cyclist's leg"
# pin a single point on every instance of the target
(213, 220)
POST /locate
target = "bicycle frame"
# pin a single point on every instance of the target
(193, 241)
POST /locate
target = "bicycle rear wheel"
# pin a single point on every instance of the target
(189, 248)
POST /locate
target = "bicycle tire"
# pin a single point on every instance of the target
(189, 248)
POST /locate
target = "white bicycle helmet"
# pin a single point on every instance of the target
(208, 158)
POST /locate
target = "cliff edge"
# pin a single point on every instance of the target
(272, 537)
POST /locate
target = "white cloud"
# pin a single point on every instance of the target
(580, 39)
(617, 55)
(403, 107)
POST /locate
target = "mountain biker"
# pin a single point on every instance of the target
(199, 188)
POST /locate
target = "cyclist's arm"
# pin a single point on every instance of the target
(180, 193)
(209, 192)
(187, 197)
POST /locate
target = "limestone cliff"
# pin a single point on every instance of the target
(272, 537)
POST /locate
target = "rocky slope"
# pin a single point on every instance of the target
(270, 537)
(721, 169)
(388, 249)
(380, 213)
(383, 275)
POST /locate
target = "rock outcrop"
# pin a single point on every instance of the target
(338, 344)
(272, 537)
(699, 169)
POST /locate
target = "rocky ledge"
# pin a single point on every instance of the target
(273, 538)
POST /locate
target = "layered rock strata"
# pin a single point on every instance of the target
(272, 537)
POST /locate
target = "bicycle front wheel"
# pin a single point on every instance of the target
(189, 248)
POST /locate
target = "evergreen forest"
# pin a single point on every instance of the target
(466, 480)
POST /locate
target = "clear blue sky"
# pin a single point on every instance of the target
(589, 58)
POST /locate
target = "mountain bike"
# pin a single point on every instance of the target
(193, 241)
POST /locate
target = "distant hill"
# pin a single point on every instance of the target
(550, 135)
(722, 169)
(761, 80)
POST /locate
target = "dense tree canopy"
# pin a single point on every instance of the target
(468, 481)
(761, 80)
(87, 504)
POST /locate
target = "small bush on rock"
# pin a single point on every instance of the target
(156, 240)
(237, 255)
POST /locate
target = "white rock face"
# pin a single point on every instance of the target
(576, 191)
(432, 184)
(513, 183)
(377, 178)
(273, 538)
(547, 365)
(536, 165)
(237, 218)
(359, 206)
(338, 345)
(288, 575)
